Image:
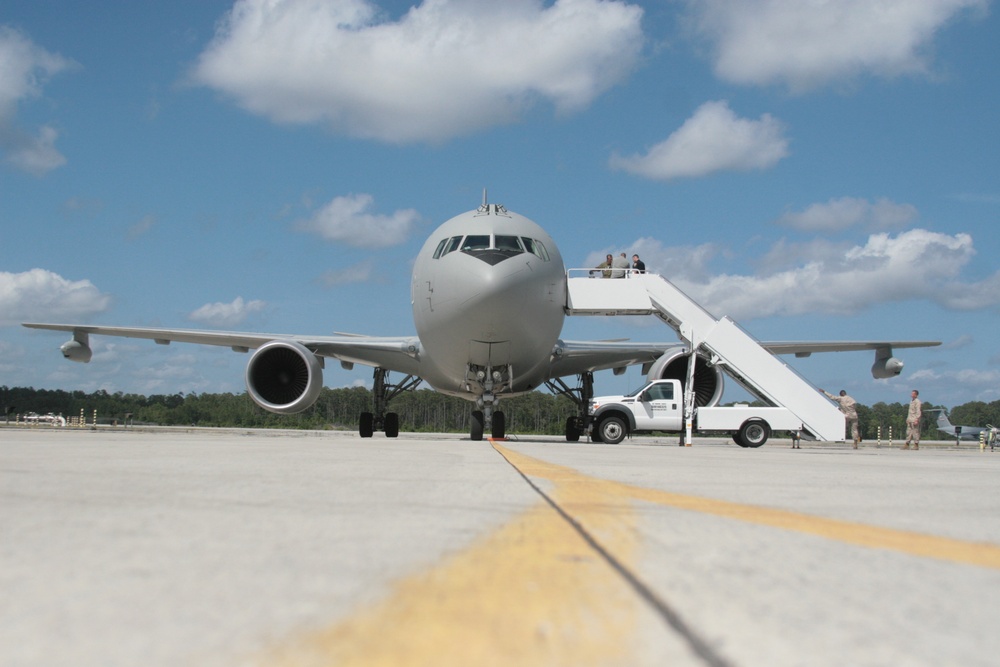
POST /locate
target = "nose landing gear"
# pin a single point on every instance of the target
(492, 381)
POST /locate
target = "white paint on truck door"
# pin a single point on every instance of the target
(659, 408)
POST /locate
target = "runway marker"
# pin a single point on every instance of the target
(913, 543)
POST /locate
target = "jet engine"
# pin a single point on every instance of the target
(284, 376)
(708, 380)
(886, 366)
(76, 350)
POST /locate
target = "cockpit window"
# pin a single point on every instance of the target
(440, 249)
(476, 242)
(508, 244)
(536, 247)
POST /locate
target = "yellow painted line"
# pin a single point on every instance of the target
(531, 593)
(534, 592)
(913, 543)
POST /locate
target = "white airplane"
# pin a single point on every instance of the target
(488, 297)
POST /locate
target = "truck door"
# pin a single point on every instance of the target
(659, 408)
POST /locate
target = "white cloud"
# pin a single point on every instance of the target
(808, 44)
(446, 68)
(713, 139)
(356, 273)
(40, 295)
(24, 68)
(982, 384)
(35, 155)
(846, 212)
(835, 279)
(347, 220)
(141, 228)
(226, 315)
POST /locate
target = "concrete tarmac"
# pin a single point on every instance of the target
(229, 547)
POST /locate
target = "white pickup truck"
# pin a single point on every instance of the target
(659, 406)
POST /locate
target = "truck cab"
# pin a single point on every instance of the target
(657, 406)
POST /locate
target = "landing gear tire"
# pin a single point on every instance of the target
(391, 424)
(572, 432)
(498, 427)
(476, 433)
(754, 432)
(612, 430)
(366, 425)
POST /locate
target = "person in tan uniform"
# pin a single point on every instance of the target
(850, 409)
(606, 265)
(913, 421)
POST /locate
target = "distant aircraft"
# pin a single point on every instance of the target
(958, 432)
(488, 295)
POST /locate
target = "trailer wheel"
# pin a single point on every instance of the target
(754, 432)
(612, 430)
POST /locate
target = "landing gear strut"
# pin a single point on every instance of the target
(576, 425)
(382, 393)
(493, 380)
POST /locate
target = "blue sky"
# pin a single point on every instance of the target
(818, 171)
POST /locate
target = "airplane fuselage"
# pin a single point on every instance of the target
(488, 295)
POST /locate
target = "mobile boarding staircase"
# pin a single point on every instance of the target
(738, 353)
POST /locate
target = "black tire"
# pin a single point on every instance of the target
(391, 424)
(572, 432)
(754, 432)
(476, 430)
(366, 425)
(736, 439)
(498, 426)
(612, 430)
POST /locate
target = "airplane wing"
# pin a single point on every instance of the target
(575, 357)
(398, 354)
(806, 348)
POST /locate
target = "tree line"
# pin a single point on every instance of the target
(423, 410)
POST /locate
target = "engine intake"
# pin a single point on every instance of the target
(709, 380)
(284, 377)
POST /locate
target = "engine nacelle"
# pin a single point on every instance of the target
(284, 376)
(886, 367)
(78, 351)
(709, 380)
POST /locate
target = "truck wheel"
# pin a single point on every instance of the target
(612, 430)
(754, 432)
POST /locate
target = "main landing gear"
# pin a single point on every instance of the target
(581, 395)
(382, 393)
